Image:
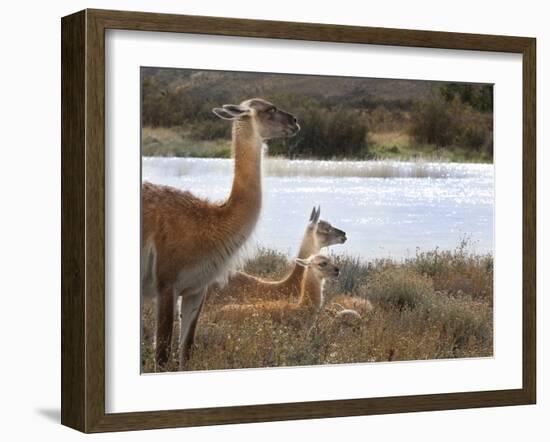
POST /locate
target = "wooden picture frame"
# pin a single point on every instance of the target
(83, 220)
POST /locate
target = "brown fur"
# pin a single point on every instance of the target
(189, 242)
(308, 305)
(318, 234)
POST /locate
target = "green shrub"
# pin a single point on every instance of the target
(434, 122)
(325, 133)
(478, 96)
(210, 129)
(452, 124)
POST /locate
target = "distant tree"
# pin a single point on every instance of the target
(325, 133)
(479, 97)
(434, 122)
(452, 124)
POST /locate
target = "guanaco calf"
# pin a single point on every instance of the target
(187, 242)
(318, 235)
(318, 268)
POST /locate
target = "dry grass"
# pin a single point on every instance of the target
(399, 145)
(175, 142)
(393, 138)
(435, 305)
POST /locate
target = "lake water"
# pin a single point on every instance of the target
(388, 208)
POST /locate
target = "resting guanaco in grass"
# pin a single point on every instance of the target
(318, 235)
(318, 268)
(188, 242)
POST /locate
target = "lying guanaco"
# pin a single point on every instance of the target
(318, 268)
(318, 235)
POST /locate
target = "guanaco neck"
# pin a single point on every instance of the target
(308, 247)
(242, 208)
(311, 293)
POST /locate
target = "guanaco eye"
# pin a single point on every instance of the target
(322, 264)
(272, 110)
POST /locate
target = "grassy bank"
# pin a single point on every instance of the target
(435, 305)
(395, 145)
(174, 142)
(391, 145)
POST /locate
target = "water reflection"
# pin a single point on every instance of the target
(387, 208)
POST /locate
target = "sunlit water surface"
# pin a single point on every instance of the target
(388, 208)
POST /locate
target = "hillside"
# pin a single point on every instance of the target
(221, 84)
(341, 117)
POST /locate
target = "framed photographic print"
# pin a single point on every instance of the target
(267, 221)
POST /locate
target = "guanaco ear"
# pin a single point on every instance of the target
(223, 114)
(303, 262)
(312, 216)
(232, 111)
(317, 215)
(237, 110)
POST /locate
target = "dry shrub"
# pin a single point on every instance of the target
(400, 287)
(420, 313)
(461, 320)
(457, 272)
(268, 263)
(353, 275)
(147, 336)
(467, 322)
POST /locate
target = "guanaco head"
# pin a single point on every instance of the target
(325, 234)
(321, 265)
(269, 121)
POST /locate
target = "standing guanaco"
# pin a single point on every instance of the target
(188, 242)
